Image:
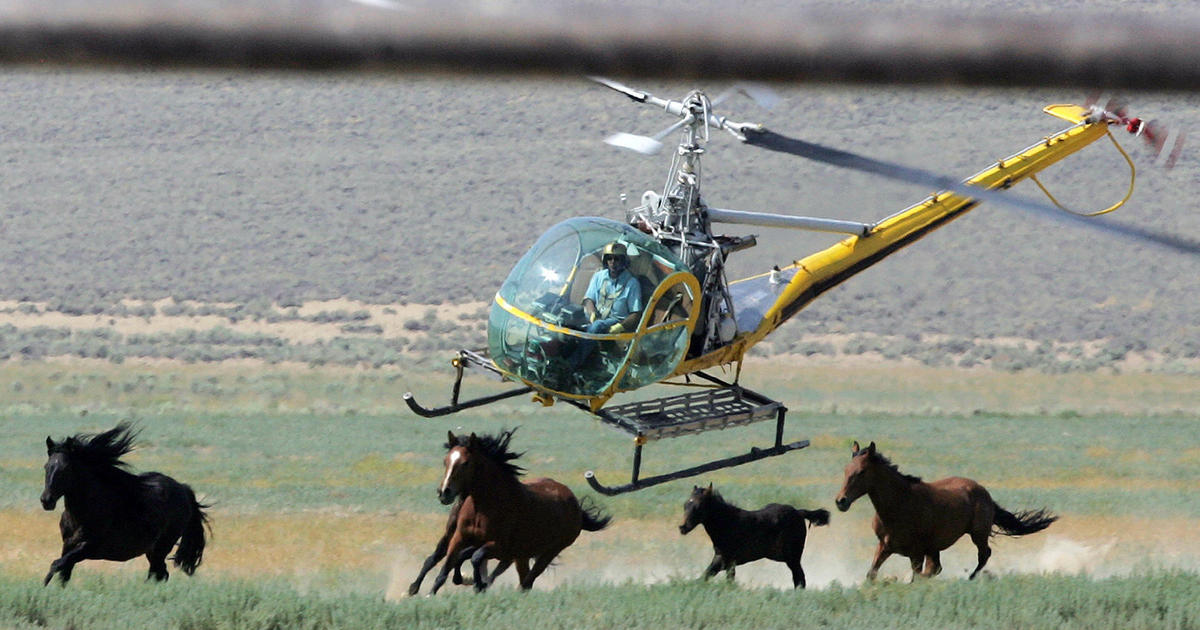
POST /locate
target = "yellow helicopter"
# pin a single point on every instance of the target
(677, 315)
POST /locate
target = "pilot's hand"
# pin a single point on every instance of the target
(616, 328)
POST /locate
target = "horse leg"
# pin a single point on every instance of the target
(522, 569)
(478, 562)
(985, 552)
(539, 565)
(716, 565)
(158, 567)
(457, 576)
(500, 568)
(933, 564)
(797, 574)
(454, 557)
(916, 562)
(881, 553)
(158, 561)
(71, 555)
(730, 570)
(439, 552)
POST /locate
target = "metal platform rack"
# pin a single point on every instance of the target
(720, 406)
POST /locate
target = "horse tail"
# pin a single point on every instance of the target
(1021, 523)
(191, 544)
(816, 517)
(594, 518)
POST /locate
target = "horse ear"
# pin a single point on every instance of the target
(871, 448)
(710, 487)
(854, 449)
(472, 441)
(450, 437)
(49, 445)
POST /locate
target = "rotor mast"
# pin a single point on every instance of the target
(678, 217)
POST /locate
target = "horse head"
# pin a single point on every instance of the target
(458, 467)
(59, 475)
(696, 508)
(857, 476)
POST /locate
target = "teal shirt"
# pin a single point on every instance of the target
(615, 299)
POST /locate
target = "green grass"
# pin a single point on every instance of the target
(1158, 600)
(322, 485)
(308, 461)
(303, 439)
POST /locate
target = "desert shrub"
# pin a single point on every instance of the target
(175, 309)
(811, 348)
(368, 329)
(415, 325)
(862, 344)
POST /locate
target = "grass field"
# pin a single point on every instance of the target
(1170, 601)
(323, 496)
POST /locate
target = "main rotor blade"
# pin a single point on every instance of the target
(776, 142)
(636, 95)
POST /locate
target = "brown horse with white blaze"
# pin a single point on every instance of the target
(918, 520)
(502, 517)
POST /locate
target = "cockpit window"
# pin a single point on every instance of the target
(538, 319)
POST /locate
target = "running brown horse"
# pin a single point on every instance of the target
(918, 520)
(112, 514)
(502, 517)
(775, 532)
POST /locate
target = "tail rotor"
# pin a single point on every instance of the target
(1165, 144)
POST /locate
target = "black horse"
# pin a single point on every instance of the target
(112, 514)
(776, 532)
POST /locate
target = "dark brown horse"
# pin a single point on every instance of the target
(776, 532)
(502, 517)
(112, 514)
(918, 520)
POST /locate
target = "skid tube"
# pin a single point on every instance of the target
(755, 453)
(464, 359)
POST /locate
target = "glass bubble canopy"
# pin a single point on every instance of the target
(537, 320)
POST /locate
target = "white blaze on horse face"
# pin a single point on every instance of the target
(452, 462)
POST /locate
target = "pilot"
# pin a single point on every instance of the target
(613, 302)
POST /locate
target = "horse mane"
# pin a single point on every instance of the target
(718, 499)
(495, 448)
(101, 450)
(878, 457)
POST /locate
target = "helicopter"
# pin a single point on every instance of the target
(693, 317)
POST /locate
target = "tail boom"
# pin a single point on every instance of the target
(828, 268)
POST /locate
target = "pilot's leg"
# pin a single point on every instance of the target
(585, 346)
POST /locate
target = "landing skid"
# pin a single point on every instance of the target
(725, 405)
(465, 359)
(718, 406)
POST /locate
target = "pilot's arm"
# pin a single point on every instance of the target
(625, 325)
(589, 308)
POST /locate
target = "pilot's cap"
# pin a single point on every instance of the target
(615, 249)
